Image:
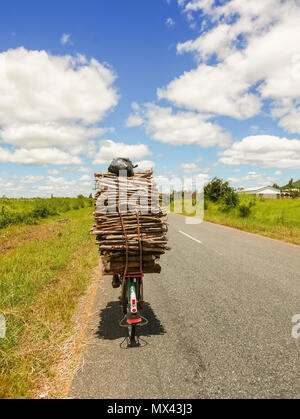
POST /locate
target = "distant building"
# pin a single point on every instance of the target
(267, 192)
(286, 193)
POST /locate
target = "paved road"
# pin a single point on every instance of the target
(220, 323)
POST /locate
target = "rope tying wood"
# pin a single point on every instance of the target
(140, 241)
(126, 239)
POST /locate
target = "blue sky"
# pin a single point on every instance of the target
(209, 89)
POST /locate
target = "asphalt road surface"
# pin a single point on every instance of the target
(220, 323)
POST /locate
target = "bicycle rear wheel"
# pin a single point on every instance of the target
(131, 332)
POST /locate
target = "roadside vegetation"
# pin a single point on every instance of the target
(278, 219)
(32, 211)
(42, 279)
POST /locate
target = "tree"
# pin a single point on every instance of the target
(275, 186)
(216, 189)
(231, 199)
(294, 194)
(291, 184)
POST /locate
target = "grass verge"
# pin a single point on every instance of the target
(41, 283)
(277, 219)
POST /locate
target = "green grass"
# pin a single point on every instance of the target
(31, 211)
(41, 282)
(278, 219)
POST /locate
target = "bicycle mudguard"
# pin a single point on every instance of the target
(132, 318)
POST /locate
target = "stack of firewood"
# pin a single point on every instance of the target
(130, 225)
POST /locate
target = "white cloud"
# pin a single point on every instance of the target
(53, 172)
(85, 178)
(215, 90)
(291, 120)
(256, 178)
(65, 39)
(53, 101)
(264, 151)
(189, 167)
(255, 46)
(194, 5)
(169, 22)
(84, 169)
(81, 169)
(60, 186)
(183, 128)
(49, 134)
(145, 165)
(278, 173)
(40, 87)
(109, 150)
(134, 121)
(31, 179)
(37, 156)
(170, 182)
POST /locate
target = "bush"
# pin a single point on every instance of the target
(42, 210)
(217, 189)
(30, 211)
(294, 194)
(244, 211)
(231, 198)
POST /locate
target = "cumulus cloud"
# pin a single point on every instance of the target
(109, 150)
(49, 134)
(38, 186)
(208, 89)
(31, 179)
(178, 128)
(194, 5)
(264, 151)
(39, 87)
(255, 178)
(255, 51)
(189, 167)
(60, 186)
(53, 101)
(37, 156)
(145, 165)
(134, 121)
(170, 182)
(183, 128)
(81, 169)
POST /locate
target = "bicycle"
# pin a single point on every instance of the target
(132, 302)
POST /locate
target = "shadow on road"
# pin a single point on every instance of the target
(111, 315)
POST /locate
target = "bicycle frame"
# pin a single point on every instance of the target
(130, 300)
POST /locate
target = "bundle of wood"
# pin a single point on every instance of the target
(130, 225)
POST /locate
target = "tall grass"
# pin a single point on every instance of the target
(41, 282)
(30, 211)
(278, 219)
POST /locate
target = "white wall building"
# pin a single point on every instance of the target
(264, 192)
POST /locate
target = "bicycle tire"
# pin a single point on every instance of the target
(131, 332)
